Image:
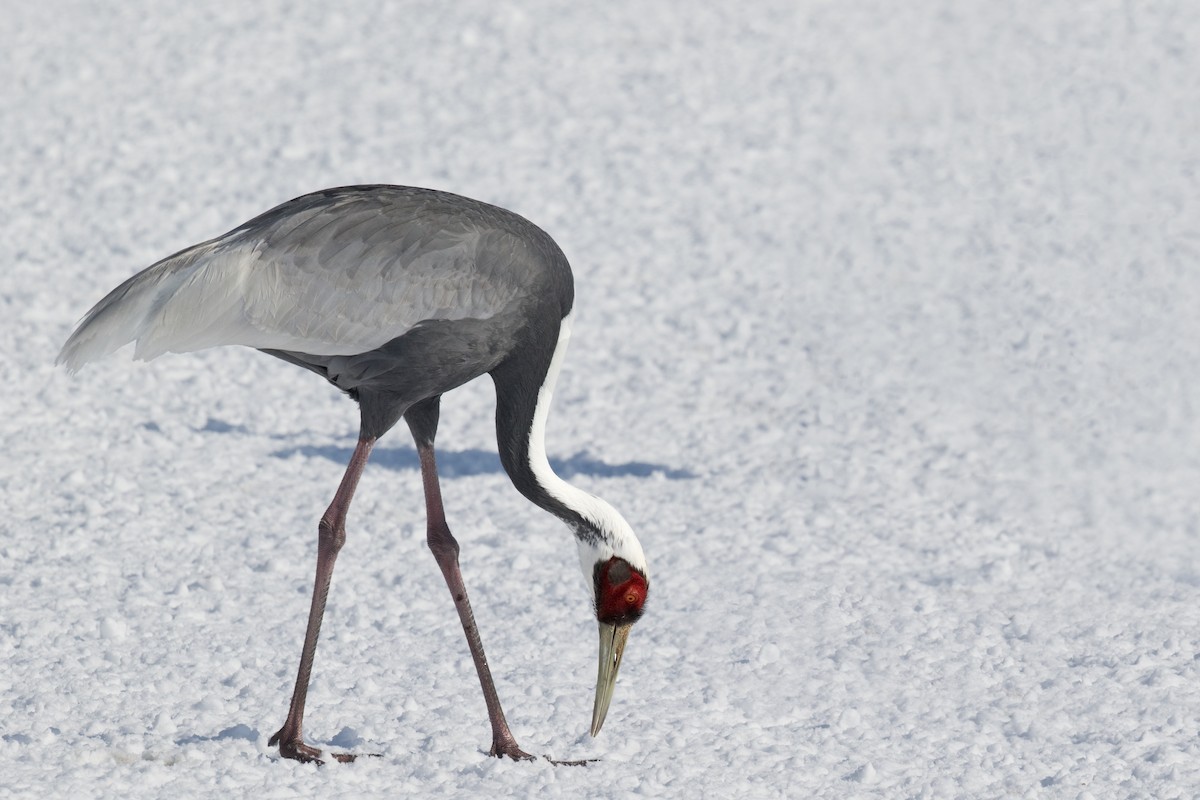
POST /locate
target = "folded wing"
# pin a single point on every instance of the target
(326, 274)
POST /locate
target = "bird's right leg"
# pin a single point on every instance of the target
(331, 536)
(422, 420)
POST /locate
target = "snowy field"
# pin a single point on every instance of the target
(887, 343)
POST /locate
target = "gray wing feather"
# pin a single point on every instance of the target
(323, 274)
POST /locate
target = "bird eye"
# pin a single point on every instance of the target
(631, 598)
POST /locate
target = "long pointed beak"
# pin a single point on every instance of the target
(612, 645)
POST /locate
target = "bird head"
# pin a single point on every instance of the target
(615, 568)
(620, 591)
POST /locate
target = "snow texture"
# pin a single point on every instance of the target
(886, 343)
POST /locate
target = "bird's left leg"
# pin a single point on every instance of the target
(422, 420)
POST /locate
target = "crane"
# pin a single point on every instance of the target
(395, 295)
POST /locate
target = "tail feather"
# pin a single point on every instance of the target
(126, 314)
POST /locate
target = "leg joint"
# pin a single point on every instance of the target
(442, 543)
(330, 535)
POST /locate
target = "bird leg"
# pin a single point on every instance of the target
(445, 550)
(331, 536)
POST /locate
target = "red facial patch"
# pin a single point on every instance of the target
(620, 592)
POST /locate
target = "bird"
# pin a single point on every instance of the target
(395, 295)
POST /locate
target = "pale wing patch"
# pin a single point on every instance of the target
(300, 301)
(342, 307)
(196, 308)
(317, 282)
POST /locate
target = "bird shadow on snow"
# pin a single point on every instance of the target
(346, 738)
(466, 463)
(241, 731)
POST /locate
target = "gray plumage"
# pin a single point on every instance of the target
(395, 295)
(339, 272)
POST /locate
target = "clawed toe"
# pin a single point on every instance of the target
(295, 749)
(509, 748)
(348, 758)
(583, 762)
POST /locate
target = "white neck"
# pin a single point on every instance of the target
(606, 532)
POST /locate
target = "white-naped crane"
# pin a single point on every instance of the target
(395, 295)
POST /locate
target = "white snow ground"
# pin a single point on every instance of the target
(887, 342)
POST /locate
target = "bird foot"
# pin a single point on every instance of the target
(295, 748)
(508, 747)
